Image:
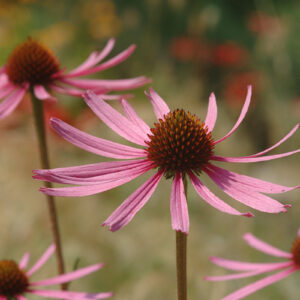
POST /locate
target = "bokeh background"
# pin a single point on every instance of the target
(188, 48)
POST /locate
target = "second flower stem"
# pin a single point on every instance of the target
(38, 112)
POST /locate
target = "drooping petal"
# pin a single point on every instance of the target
(93, 59)
(251, 182)
(115, 96)
(111, 85)
(79, 191)
(257, 285)
(114, 119)
(212, 113)
(11, 102)
(212, 199)
(95, 173)
(4, 91)
(241, 117)
(69, 295)
(108, 64)
(159, 105)
(178, 206)
(19, 297)
(94, 144)
(24, 261)
(42, 260)
(41, 93)
(127, 210)
(66, 90)
(133, 117)
(246, 266)
(246, 196)
(69, 276)
(265, 247)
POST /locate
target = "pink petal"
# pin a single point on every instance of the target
(11, 102)
(94, 144)
(212, 199)
(4, 91)
(79, 191)
(246, 266)
(159, 105)
(4, 80)
(298, 233)
(42, 260)
(134, 118)
(253, 159)
(93, 59)
(3, 298)
(67, 90)
(111, 85)
(253, 287)
(264, 247)
(178, 206)
(69, 276)
(251, 182)
(115, 96)
(108, 64)
(114, 119)
(69, 295)
(41, 93)
(24, 261)
(246, 196)
(212, 112)
(127, 210)
(94, 174)
(19, 297)
(241, 117)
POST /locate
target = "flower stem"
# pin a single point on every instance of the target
(181, 245)
(38, 112)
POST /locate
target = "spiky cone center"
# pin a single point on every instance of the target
(179, 142)
(31, 62)
(13, 281)
(296, 251)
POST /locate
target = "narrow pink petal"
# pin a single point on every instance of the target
(115, 96)
(93, 59)
(114, 119)
(251, 182)
(212, 199)
(264, 247)
(3, 298)
(42, 260)
(178, 206)
(159, 105)
(41, 93)
(4, 91)
(24, 261)
(108, 64)
(127, 210)
(212, 112)
(69, 276)
(19, 297)
(246, 196)
(298, 233)
(246, 266)
(69, 295)
(134, 118)
(79, 191)
(95, 174)
(253, 159)
(11, 102)
(3, 80)
(66, 90)
(111, 85)
(253, 287)
(94, 144)
(241, 117)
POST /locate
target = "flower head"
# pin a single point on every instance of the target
(33, 66)
(179, 145)
(288, 266)
(16, 282)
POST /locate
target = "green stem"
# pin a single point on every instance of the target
(38, 112)
(181, 246)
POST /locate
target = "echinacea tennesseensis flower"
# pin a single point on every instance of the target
(248, 269)
(179, 145)
(33, 66)
(16, 283)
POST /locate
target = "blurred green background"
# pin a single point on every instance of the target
(188, 48)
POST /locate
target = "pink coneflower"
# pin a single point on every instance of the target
(179, 145)
(290, 265)
(15, 281)
(32, 66)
